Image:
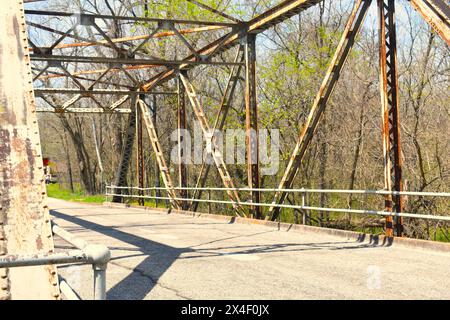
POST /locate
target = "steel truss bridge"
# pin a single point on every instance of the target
(29, 71)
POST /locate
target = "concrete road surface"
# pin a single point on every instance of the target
(161, 256)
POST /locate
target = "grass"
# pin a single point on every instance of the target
(55, 191)
(148, 203)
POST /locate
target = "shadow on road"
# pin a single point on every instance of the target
(159, 257)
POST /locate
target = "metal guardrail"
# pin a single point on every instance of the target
(96, 255)
(303, 193)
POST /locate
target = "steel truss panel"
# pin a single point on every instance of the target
(283, 11)
(332, 75)
(24, 217)
(226, 103)
(215, 152)
(163, 168)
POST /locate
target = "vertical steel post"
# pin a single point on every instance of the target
(156, 172)
(140, 154)
(390, 113)
(182, 169)
(251, 123)
(303, 206)
(122, 172)
(209, 201)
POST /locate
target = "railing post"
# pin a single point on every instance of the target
(156, 198)
(209, 199)
(99, 281)
(99, 256)
(303, 206)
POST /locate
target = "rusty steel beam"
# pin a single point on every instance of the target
(182, 126)
(158, 35)
(390, 114)
(251, 124)
(153, 109)
(24, 216)
(320, 102)
(125, 159)
(53, 75)
(83, 110)
(140, 168)
(40, 91)
(437, 14)
(127, 61)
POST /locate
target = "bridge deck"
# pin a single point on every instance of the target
(160, 256)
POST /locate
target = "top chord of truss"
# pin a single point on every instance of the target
(86, 19)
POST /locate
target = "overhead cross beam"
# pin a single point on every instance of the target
(89, 17)
(41, 91)
(130, 61)
(274, 16)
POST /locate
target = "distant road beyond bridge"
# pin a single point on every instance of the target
(173, 256)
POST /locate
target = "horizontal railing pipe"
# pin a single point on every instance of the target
(302, 190)
(10, 261)
(68, 237)
(300, 207)
(96, 255)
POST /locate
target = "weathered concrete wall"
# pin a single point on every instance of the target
(24, 219)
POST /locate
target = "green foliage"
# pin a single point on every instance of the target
(182, 9)
(55, 191)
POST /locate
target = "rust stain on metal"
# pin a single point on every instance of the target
(39, 243)
(5, 148)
